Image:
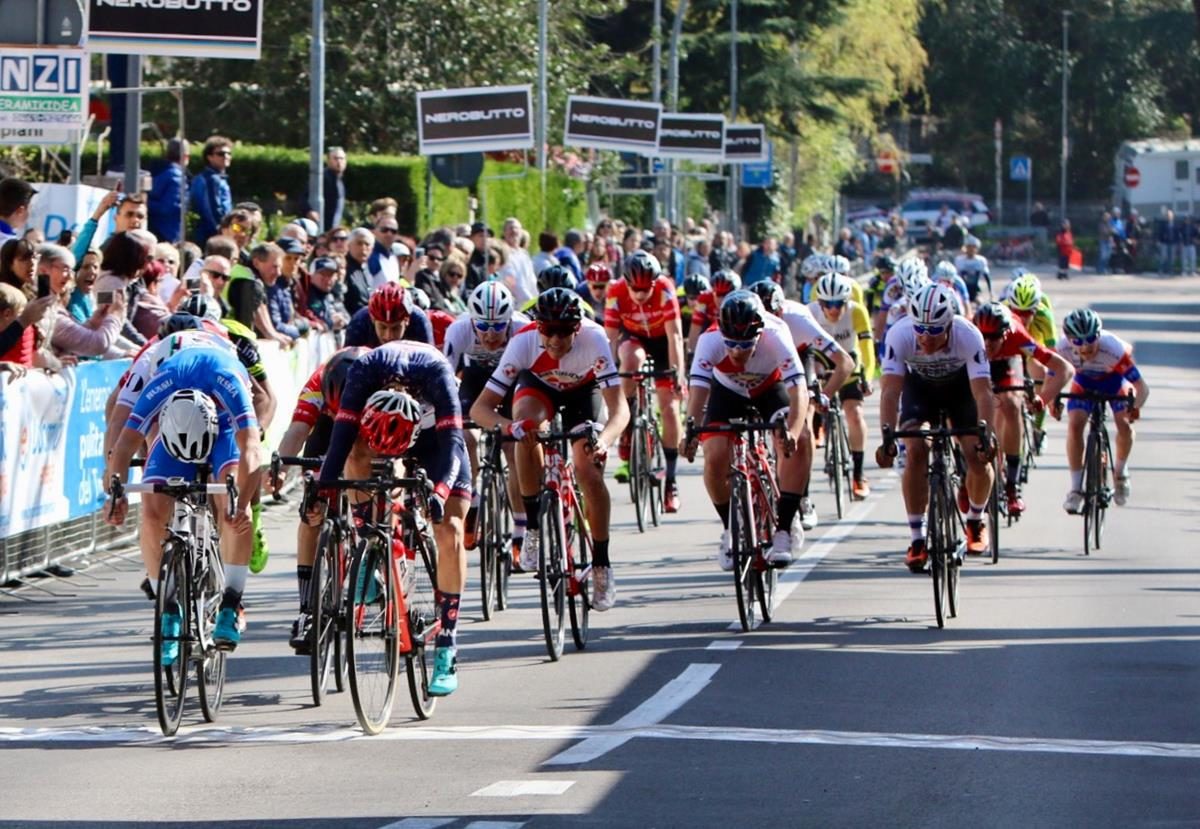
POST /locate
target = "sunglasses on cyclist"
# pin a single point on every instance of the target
(995, 337)
(552, 330)
(485, 327)
(1082, 341)
(740, 345)
(929, 330)
(833, 303)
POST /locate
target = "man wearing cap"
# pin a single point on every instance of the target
(322, 305)
(15, 196)
(279, 289)
(477, 268)
(210, 193)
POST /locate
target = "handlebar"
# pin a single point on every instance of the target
(1128, 396)
(733, 427)
(980, 431)
(656, 374)
(176, 488)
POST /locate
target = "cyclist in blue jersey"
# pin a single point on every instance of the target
(200, 400)
(390, 315)
(378, 403)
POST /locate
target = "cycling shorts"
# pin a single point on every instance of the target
(1110, 384)
(656, 349)
(851, 391)
(723, 405)
(471, 385)
(924, 402)
(577, 406)
(160, 465)
(1009, 371)
(425, 453)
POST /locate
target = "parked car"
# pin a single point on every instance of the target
(926, 205)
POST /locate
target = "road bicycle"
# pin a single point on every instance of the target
(391, 610)
(1097, 464)
(191, 582)
(838, 463)
(565, 542)
(646, 464)
(944, 534)
(754, 495)
(495, 522)
(1029, 452)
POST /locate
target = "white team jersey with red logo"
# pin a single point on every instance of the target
(1114, 356)
(589, 360)
(774, 360)
(902, 353)
(806, 331)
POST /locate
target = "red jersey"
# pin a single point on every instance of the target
(707, 310)
(1020, 343)
(648, 320)
(310, 405)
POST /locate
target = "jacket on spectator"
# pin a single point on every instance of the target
(212, 199)
(323, 306)
(282, 310)
(148, 312)
(82, 339)
(357, 285)
(382, 265)
(164, 206)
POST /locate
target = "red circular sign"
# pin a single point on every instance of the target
(1133, 176)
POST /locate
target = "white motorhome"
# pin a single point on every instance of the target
(1164, 174)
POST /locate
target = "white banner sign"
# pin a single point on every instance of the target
(59, 207)
(43, 88)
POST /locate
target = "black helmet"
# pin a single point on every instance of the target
(725, 282)
(641, 269)
(333, 378)
(199, 305)
(741, 316)
(771, 295)
(883, 262)
(555, 276)
(559, 305)
(695, 284)
(179, 321)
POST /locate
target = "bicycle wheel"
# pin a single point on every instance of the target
(935, 544)
(953, 556)
(1105, 488)
(654, 484)
(766, 577)
(741, 535)
(503, 529)
(321, 600)
(1091, 489)
(833, 445)
(210, 667)
(372, 626)
(1028, 453)
(485, 532)
(638, 464)
(420, 599)
(579, 592)
(170, 681)
(847, 459)
(341, 674)
(994, 506)
(552, 584)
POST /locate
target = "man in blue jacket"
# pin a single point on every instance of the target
(167, 194)
(210, 193)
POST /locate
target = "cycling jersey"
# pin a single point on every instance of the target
(311, 404)
(892, 294)
(851, 328)
(902, 355)
(1020, 343)
(210, 369)
(708, 306)
(156, 352)
(246, 342)
(650, 319)
(1114, 358)
(773, 360)
(588, 361)
(463, 347)
(972, 269)
(422, 371)
(361, 330)
(1039, 322)
(807, 334)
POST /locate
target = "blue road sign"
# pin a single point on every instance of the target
(1019, 168)
(761, 174)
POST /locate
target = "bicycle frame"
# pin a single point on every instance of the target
(558, 475)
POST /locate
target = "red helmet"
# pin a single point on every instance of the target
(993, 318)
(390, 303)
(391, 422)
(598, 272)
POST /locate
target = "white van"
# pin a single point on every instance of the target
(1163, 174)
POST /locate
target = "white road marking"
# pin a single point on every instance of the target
(495, 824)
(20, 737)
(420, 823)
(790, 578)
(524, 788)
(724, 645)
(669, 698)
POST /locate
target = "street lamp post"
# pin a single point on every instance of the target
(316, 113)
(1062, 186)
(656, 80)
(734, 170)
(673, 188)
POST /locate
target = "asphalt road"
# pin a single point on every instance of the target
(1066, 693)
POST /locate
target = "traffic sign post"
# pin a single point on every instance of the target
(1133, 176)
(1020, 168)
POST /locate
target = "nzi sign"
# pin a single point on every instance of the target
(43, 87)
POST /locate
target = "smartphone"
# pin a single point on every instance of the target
(43, 285)
(193, 284)
(105, 297)
(419, 252)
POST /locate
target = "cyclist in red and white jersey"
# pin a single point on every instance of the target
(707, 307)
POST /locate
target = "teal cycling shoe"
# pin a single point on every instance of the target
(445, 672)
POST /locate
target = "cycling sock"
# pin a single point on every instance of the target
(1012, 467)
(975, 513)
(235, 577)
(475, 500)
(789, 503)
(916, 527)
(303, 577)
(857, 458)
(231, 598)
(1076, 480)
(1121, 467)
(723, 511)
(671, 456)
(600, 553)
(518, 526)
(153, 585)
(448, 613)
(531, 511)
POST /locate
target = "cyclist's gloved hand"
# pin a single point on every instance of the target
(885, 455)
(1037, 405)
(520, 428)
(437, 503)
(1134, 413)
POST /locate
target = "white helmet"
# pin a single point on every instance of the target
(187, 425)
(945, 272)
(491, 302)
(420, 299)
(912, 275)
(832, 287)
(971, 241)
(933, 305)
(840, 265)
(811, 266)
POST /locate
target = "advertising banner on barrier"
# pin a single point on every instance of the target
(43, 87)
(192, 29)
(476, 119)
(59, 207)
(745, 144)
(32, 448)
(699, 138)
(83, 467)
(612, 124)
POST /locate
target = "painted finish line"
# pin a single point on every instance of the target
(22, 737)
